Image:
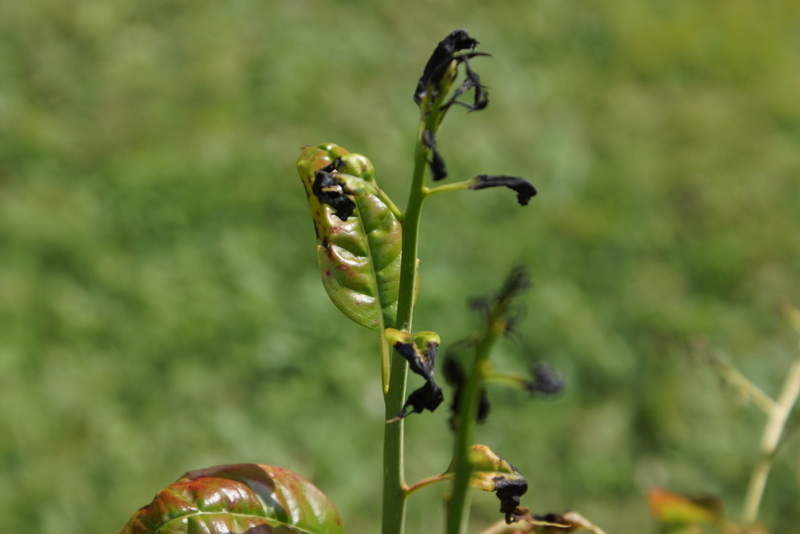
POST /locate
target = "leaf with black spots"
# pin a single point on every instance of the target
(359, 237)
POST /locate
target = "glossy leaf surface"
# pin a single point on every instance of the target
(238, 499)
(359, 238)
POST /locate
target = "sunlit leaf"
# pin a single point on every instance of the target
(359, 238)
(238, 499)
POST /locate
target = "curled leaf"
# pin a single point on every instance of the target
(472, 80)
(238, 499)
(359, 237)
(524, 189)
(490, 472)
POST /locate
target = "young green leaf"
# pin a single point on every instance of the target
(359, 236)
(237, 499)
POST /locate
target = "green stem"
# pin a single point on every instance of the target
(394, 488)
(458, 512)
(455, 186)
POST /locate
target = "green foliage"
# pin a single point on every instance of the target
(155, 251)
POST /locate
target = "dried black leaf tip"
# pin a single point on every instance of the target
(509, 493)
(472, 80)
(440, 60)
(454, 375)
(525, 190)
(330, 192)
(420, 352)
(499, 306)
(518, 281)
(428, 397)
(436, 163)
(546, 380)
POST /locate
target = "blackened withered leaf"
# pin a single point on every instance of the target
(545, 380)
(491, 472)
(440, 60)
(509, 493)
(454, 375)
(436, 163)
(516, 282)
(481, 96)
(428, 397)
(524, 189)
(420, 352)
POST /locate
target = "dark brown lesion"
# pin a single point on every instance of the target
(328, 191)
(436, 163)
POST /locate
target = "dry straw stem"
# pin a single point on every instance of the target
(776, 423)
(769, 443)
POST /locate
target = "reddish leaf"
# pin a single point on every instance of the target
(238, 499)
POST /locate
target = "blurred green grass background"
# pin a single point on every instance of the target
(160, 307)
